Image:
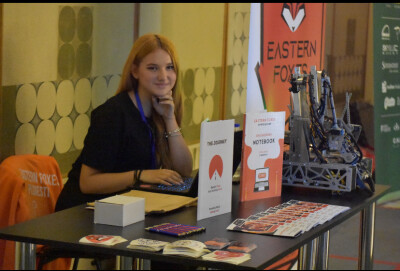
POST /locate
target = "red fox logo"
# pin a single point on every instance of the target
(293, 14)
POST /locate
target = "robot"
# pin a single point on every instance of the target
(323, 151)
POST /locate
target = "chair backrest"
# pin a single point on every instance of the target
(29, 187)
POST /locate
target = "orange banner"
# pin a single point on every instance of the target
(292, 34)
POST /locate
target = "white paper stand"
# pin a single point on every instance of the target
(215, 168)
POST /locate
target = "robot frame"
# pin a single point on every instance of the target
(323, 153)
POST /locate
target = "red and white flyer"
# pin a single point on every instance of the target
(99, 239)
(227, 256)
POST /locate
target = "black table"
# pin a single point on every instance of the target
(65, 228)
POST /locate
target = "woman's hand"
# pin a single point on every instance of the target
(161, 176)
(164, 105)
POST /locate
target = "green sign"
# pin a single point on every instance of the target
(386, 21)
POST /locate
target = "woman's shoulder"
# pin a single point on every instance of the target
(113, 105)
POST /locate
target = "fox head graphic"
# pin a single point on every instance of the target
(293, 14)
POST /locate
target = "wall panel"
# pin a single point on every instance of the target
(63, 60)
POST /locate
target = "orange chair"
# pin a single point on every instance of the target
(29, 187)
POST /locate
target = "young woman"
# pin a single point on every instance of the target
(135, 136)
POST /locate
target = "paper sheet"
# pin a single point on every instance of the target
(161, 203)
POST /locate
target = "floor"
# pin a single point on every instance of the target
(343, 249)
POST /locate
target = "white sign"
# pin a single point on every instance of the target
(215, 168)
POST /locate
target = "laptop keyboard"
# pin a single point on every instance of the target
(187, 183)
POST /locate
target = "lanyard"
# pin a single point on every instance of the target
(153, 145)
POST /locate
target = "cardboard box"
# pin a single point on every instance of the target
(119, 210)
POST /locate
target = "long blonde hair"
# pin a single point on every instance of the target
(143, 46)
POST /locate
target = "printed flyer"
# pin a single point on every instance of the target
(262, 155)
(215, 168)
(99, 239)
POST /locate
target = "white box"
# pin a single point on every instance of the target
(119, 210)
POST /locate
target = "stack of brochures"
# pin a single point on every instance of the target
(289, 219)
(147, 244)
(227, 256)
(190, 248)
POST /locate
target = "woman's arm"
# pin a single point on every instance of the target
(180, 155)
(93, 181)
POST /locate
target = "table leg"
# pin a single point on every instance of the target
(138, 264)
(17, 258)
(300, 258)
(307, 256)
(125, 263)
(27, 255)
(323, 252)
(366, 238)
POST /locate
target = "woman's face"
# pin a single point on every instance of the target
(156, 74)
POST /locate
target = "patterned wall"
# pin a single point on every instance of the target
(52, 117)
(75, 28)
(238, 47)
(201, 97)
(202, 85)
